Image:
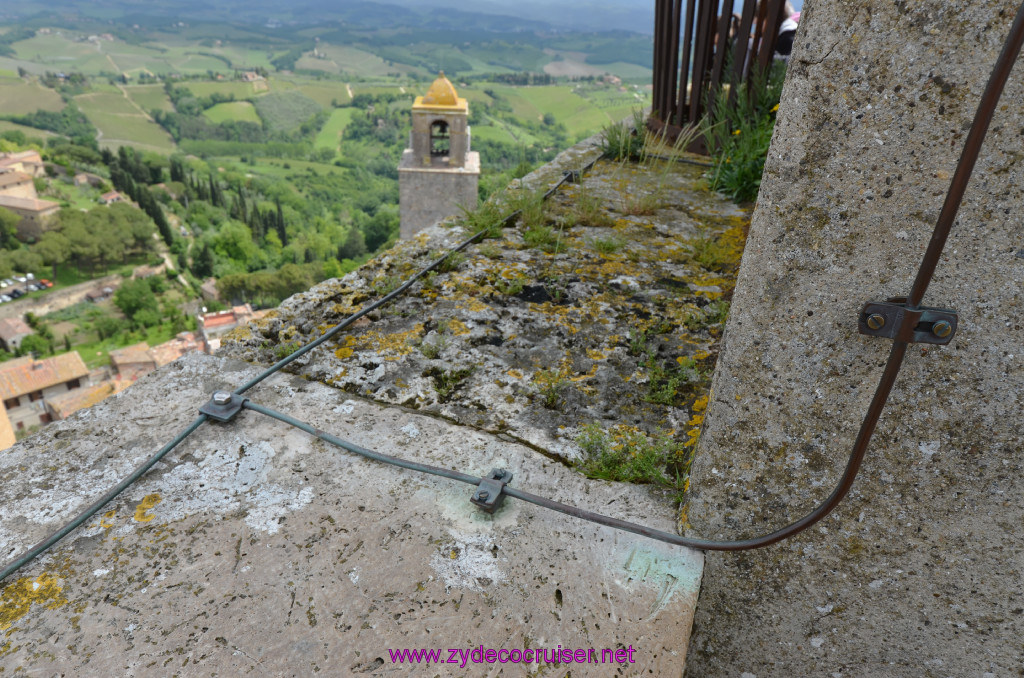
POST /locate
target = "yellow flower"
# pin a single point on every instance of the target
(775, 108)
(737, 132)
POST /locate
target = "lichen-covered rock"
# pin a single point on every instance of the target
(604, 305)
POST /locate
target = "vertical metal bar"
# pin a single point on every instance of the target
(743, 49)
(685, 78)
(705, 21)
(673, 69)
(657, 96)
(968, 158)
(755, 46)
(721, 45)
(771, 35)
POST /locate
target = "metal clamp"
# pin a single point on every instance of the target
(223, 406)
(490, 493)
(891, 319)
(572, 176)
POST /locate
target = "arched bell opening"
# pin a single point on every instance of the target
(440, 141)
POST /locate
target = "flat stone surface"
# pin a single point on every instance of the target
(255, 548)
(918, 572)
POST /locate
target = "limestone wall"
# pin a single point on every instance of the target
(918, 573)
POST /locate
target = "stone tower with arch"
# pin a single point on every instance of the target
(438, 173)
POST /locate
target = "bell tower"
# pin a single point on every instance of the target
(438, 173)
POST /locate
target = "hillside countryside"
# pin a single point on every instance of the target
(204, 160)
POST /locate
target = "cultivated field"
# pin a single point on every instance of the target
(330, 134)
(18, 97)
(149, 97)
(122, 124)
(241, 111)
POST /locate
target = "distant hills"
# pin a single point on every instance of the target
(597, 15)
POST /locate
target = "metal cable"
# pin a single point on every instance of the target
(968, 158)
(93, 508)
(139, 471)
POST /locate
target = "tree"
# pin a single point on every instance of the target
(34, 344)
(202, 265)
(134, 296)
(354, 245)
(9, 229)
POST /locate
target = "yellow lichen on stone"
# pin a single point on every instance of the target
(17, 598)
(515, 374)
(390, 346)
(457, 327)
(142, 513)
(347, 348)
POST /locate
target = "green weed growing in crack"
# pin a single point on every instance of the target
(626, 454)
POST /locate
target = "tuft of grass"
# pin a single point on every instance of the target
(452, 262)
(490, 251)
(432, 351)
(509, 287)
(386, 285)
(710, 253)
(551, 385)
(629, 455)
(487, 217)
(738, 135)
(446, 382)
(587, 209)
(625, 141)
(544, 238)
(530, 205)
(669, 385)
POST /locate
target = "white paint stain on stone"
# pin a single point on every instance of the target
(410, 430)
(467, 562)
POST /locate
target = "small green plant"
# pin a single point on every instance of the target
(429, 281)
(509, 287)
(544, 238)
(587, 209)
(738, 132)
(717, 312)
(432, 350)
(551, 385)
(489, 250)
(487, 217)
(284, 350)
(452, 262)
(386, 285)
(609, 245)
(667, 385)
(530, 206)
(447, 381)
(710, 253)
(637, 343)
(625, 141)
(629, 455)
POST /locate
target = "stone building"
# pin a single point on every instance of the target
(25, 383)
(12, 331)
(438, 173)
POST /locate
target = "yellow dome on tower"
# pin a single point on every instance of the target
(441, 95)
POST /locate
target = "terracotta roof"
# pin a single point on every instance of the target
(9, 178)
(32, 204)
(25, 375)
(170, 351)
(13, 327)
(137, 353)
(20, 156)
(66, 404)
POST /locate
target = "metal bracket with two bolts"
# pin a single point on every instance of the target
(490, 493)
(223, 406)
(893, 320)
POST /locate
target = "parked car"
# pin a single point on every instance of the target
(32, 287)
(46, 283)
(20, 278)
(4, 298)
(30, 276)
(8, 282)
(15, 293)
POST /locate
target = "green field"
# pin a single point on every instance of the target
(344, 59)
(326, 94)
(242, 111)
(285, 110)
(30, 132)
(330, 134)
(577, 114)
(241, 90)
(492, 133)
(18, 97)
(121, 124)
(149, 97)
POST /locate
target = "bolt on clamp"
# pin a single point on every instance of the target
(223, 406)
(490, 493)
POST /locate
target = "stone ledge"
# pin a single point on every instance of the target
(253, 546)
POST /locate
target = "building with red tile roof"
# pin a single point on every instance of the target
(25, 382)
